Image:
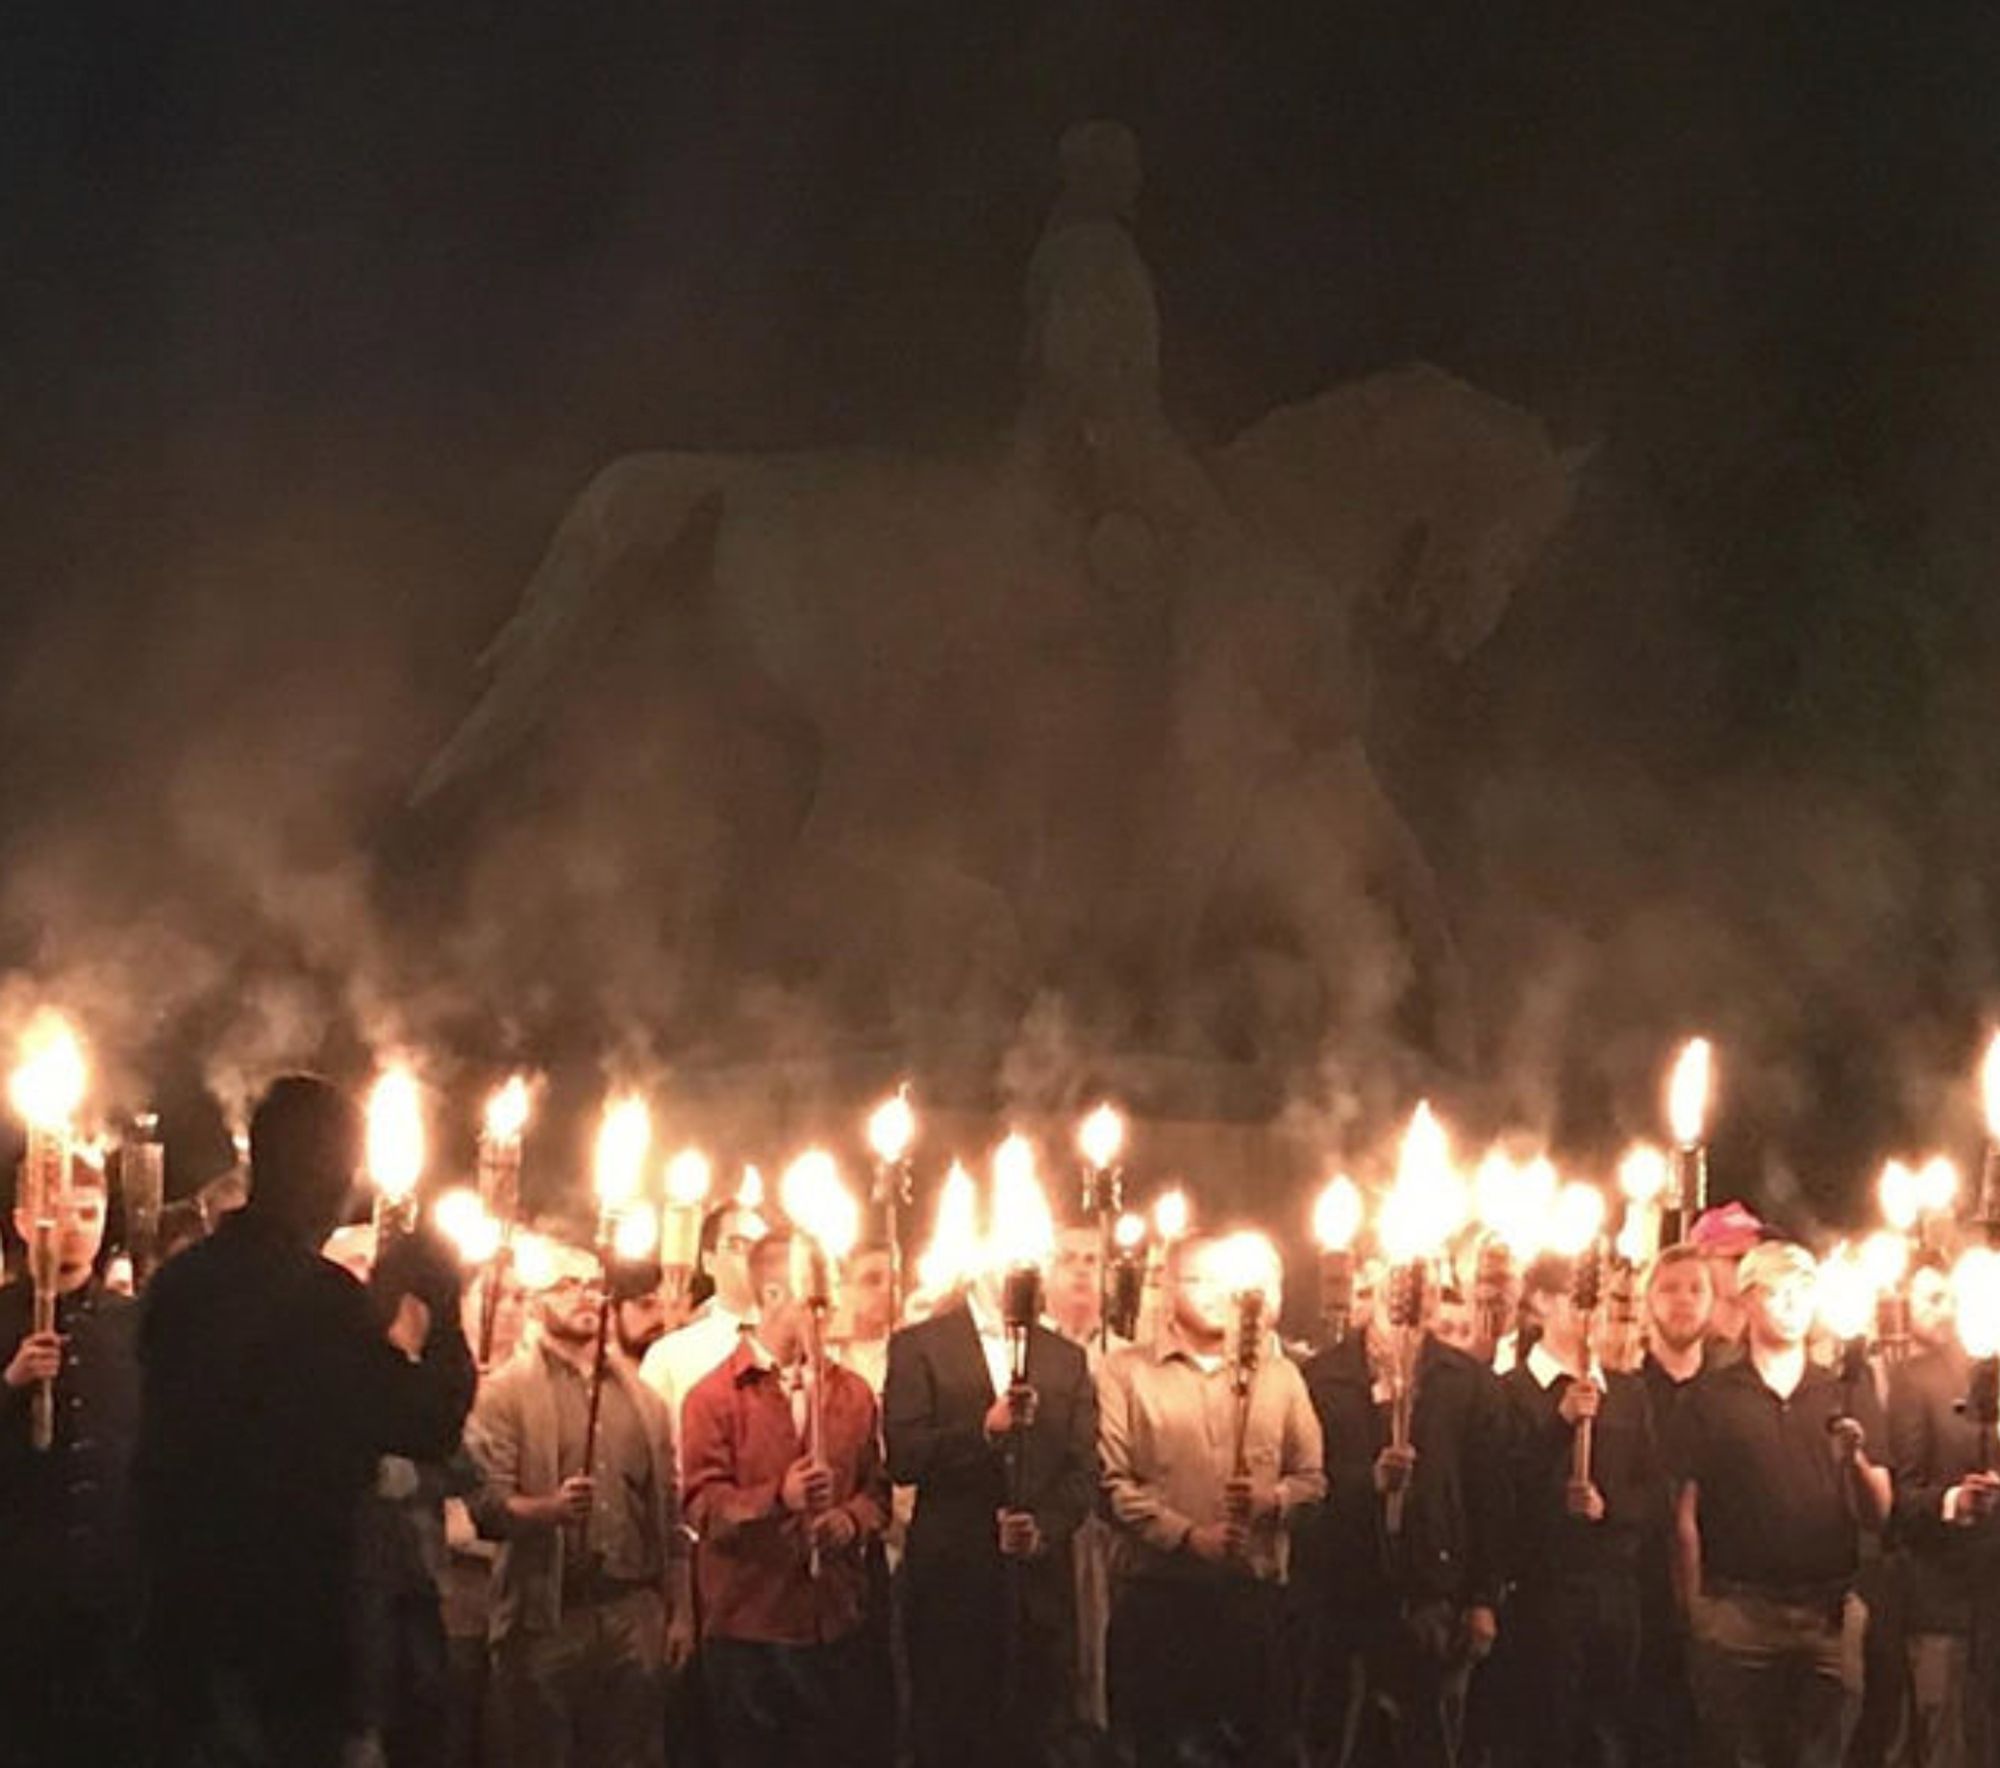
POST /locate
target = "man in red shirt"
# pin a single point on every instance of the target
(784, 1535)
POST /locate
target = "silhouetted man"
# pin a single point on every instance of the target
(66, 1626)
(987, 1572)
(268, 1393)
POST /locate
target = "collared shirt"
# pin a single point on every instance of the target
(680, 1359)
(755, 1560)
(1772, 1502)
(993, 1345)
(1167, 1421)
(622, 1537)
(1547, 1370)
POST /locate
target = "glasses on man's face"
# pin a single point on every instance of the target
(576, 1288)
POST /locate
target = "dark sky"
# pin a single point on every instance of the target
(315, 315)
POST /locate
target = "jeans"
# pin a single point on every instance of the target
(1777, 1683)
(1201, 1668)
(791, 1706)
(588, 1693)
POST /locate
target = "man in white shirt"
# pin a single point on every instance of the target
(689, 1352)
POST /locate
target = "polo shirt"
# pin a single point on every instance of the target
(1773, 1509)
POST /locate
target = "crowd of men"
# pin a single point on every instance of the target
(287, 1520)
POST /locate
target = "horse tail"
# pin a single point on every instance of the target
(614, 545)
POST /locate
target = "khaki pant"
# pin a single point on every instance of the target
(1777, 1684)
(590, 1694)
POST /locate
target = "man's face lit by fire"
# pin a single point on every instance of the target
(640, 1320)
(1203, 1306)
(1780, 1313)
(1931, 1307)
(79, 1225)
(1679, 1302)
(569, 1308)
(865, 1294)
(1075, 1276)
(729, 1264)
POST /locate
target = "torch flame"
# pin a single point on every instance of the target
(48, 1085)
(462, 1217)
(1022, 1230)
(1989, 1087)
(1248, 1263)
(1428, 1202)
(1337, 1214)
(1102, 1137)
(688, 1179)
(892, 1128)
(534, 1261)
(1844, 1294)
(1885, 1256)
(623, 1137)
(1514, 1200)
(507, 1111)
(750, 1190)
(637, 1235)
(1900, 1194)
(1937, 1185)
(1575, 1219)
(1129, 1232)
(1687, 1092)
(395, 1134)
(1975, 1283)
(953, 1254)
(1171, 1214)
(1643, 1173)
(818, 1204)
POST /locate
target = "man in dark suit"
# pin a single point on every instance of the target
(987, 1571)
(1400, 1621)
(1945, 1496)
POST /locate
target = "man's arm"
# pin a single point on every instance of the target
(868, 1503)
(1302, 1455)
(720, 1503)
(1136, 1503)
(1687, 1545)
(1870, 1492)
(1489, 1499)
(921, 1449)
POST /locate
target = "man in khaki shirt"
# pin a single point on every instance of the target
(1196, 1646)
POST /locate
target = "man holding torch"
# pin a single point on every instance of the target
(1004, 1471)
(1586, 1488)
(1776, 1486)
(786, 1523)
(588, 1588)
(1210, 1448)
(66, 1668)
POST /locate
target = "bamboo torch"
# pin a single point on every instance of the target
(1844, 1298)
(1249, 1265)
(623, 1137)
(142, 1176)
(827, 1223)
(689, 1178)
(502, 1128)
(1425, 1207)
(1336, 1221)
(395, 1151)
(892, 1133)
(1101, 1139)
(1687, 1116)
(1576, 1227)
(1128, 1275)
(47, 1088)
(1022, 1238)
(1975, 1282)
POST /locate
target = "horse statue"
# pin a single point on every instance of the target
(1079, 699)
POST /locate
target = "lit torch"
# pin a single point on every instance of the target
(1989, 1172)
(1845, 1300)
(952, 1257)
(1975, 1282)
(1687, 1117)
(1643, 1177)
(502, 1127)
(1424, 1208)
(1885, 1256)
(1576, 1229)
(142, 1176)
(1513, 1201)
(395, 1151)
(1336, 1221)
(689, 1178)
(892, 1132)
(1128, 1275)
(827, 1223)
(1101, 1140)
(1022, 1237)
(1248, 1263)
(47, 1088)
(1937, 1201)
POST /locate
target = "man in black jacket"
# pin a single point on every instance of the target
(987, 1574)
(268, 1393)
(1573, 1647)
(66, 1627)
(1945, 1501)
(1399, 1621)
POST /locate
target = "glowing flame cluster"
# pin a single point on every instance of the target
(1845, 1293)
(952, 1258)
(1975, 1284)
(1337, 1214)
(623, 1137)
(1171, 1215)
(1576, 1218)
(1513, 1199)
(47, 1087)
(1248, 1264)
(1102, 1137)
(1989, 1087)
(1022, 1231)
(1687, 1092)
(462, 1217)
(395, 1134)
(688, 1179)
(506, 1118)
(818, 1204)
(892, 1128)
(1427, 1204)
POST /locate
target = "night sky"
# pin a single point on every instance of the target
(317, 315)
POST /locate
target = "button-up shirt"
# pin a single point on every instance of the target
(623, 1540)
(993, 1345)
(754, 1565)
(1167, 1422)
(680, 1359)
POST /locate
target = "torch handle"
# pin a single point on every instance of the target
(1580, 1450)
(42, 1408)
(1401, 1407)
(597, 1368)
(816, 1403)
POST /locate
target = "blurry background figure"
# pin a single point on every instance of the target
(638, 1307)
(1075, 1279)
(686, 1354)
(866, 1314)
(67, 1669)
(1724, 1234)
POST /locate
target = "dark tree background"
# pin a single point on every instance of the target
(315, 315)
